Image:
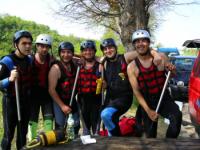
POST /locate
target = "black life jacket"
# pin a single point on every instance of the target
(150, 80)
(66, 82)
(24, 67)
(117, 78)
(87, 79)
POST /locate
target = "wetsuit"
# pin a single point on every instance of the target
(10, 119)
(119, 95)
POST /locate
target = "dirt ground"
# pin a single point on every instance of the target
(187, 129)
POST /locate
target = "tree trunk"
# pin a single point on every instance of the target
(134, 17)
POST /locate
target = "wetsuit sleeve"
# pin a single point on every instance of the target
(4, 74)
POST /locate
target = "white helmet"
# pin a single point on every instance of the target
(140, 34)
(44, 39)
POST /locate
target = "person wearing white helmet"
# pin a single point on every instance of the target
(147, 81)
(40, 97)
(119, 95)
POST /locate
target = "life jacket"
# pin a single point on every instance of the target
(117, 78)
(40, 72)
(24, 67)
(150, 80)
(87, 79)
(66, 82)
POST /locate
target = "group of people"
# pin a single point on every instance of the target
(47, 82)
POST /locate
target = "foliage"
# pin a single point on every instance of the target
(121, 16)
(1, 118)
(10, 24)
(190, 52)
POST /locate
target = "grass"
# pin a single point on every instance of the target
(1, 117)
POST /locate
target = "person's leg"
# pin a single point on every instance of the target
(76, 118)
(23, 128)
(138, 126)
(170, 110)
(95, 112)
(9, 113)
(110, 117)
(150, 127)
(47, 111)
(34, 113)
(85, 110)
(60, 117)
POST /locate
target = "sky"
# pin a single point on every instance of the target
(180, 24)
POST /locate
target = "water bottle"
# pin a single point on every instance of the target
(70, 127)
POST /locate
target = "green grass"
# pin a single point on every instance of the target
(1, 117)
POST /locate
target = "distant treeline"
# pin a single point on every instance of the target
(10, 24)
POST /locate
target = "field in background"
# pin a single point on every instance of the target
(1, 117)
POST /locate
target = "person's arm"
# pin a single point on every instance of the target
(6, 76)
(54, 75)
(166, 64)
(130, 56)
(132, 71)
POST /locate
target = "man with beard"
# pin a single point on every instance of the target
(61, 82)
(119, 95)
(17, 65)
(42, 61)
(90, 102)
(147, 81)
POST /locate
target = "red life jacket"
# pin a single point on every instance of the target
(150, 80)
(40, 72)
(66, 82)
(87, 79)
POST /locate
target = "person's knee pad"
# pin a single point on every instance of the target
(106, 116)
(33, 128)
(48, 124)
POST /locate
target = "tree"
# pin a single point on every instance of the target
(10, 24)
(121, 16)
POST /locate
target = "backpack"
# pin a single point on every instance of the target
(127, 127)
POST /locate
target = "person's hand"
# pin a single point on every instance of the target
(66, 109)
(152, 115)
(102, 60)
(169, 66)
(104, 84)
(13, 75)
(157, 60)
(81, 62)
